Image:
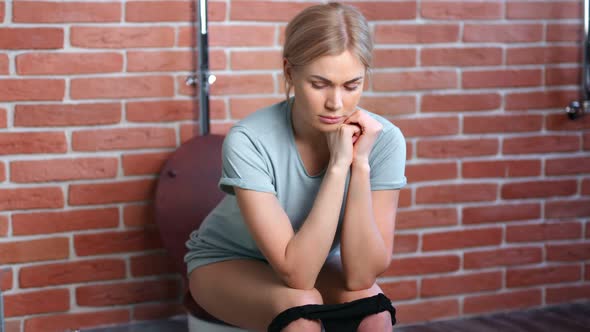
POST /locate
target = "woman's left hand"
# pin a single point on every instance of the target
(370, 130)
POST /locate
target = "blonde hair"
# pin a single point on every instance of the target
(327, 29)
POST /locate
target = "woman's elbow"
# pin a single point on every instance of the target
(297, 281)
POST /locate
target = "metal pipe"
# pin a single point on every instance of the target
(203, 74)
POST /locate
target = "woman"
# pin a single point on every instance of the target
(312, 188)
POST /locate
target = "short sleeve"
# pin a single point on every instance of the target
(388, 161)
(243, 164)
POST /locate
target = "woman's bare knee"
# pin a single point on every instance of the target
(299, 298)
(303, 324)
(380, 322)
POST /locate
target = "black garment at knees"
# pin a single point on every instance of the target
(344, 317)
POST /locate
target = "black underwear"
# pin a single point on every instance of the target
(344, 317)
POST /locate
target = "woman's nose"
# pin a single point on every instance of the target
(334, 100)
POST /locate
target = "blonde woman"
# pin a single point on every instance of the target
(312, 189)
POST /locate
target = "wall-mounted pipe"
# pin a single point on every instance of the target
(576, 108)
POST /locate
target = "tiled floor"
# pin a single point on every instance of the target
(573, 317)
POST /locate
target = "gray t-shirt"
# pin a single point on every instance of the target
(259, 153)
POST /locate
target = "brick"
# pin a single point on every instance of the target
(123, 139)
(586, 139)
(416, 33)
(29, 303)
(541, 144)
(391, 58)
(52, 115)
(543, 10)
(2, 9)
(571, 252)
(587, 271)
(31, 198)
(242, 35)
(501, 78)
(455, 193)
(171, 11)
(586, 189)
(461, 10)
(152, 264)
(542, 55)
(562, 76)
(121, 37)
(389, 106)
(566, 209)
(502, 33)
(460, 102)
(468, 56)
(431, 171)
(500, 213)
(543, 232)
(567, 294)
(64, 12)
(5, 279)
(68, 63)
(31, 38)
(423, 126)
(4, 63)
(415, 80)
(161, 111)
(423, 218)
(64, 221)
(31, 89)
(563, 123)
(144, 163)
(400, 290)
(405, 243)
(539, 189)
(13, 325)
(539, 100)
(253, 60)
(502, 257)
(138, 215)
(502, 123)
(65, 322)
(127, 293)
(266, 11)
(122, 87)
(461, 284)
(426, 310)
(461, 239)
(241, 107)
(502, 301)
(116, 242)
(158, 311)
(385, 10)
(457, 148)
(62, 169)
(243, 84)
(149, 61)
(34, 250)
(71, 272)
(542, 275)
(3, 226)
(564, 32)
(422, 265)
(113, 192)
(2, 172)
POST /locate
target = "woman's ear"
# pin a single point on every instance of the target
(287, 70)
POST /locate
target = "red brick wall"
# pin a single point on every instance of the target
(496, 215)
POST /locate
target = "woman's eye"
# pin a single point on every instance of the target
(351, 87)
(318, 85)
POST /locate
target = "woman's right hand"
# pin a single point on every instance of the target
(340, 143)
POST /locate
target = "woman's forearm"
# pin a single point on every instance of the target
(306, 252)
(363, 250)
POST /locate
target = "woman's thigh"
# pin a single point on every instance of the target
(245, 293)
(331, 284)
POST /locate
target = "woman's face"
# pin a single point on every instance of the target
(328, 90)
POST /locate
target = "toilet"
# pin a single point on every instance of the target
(185, 193)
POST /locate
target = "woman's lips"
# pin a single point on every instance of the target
(330, 120)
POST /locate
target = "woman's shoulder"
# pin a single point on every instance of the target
(263, 121)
